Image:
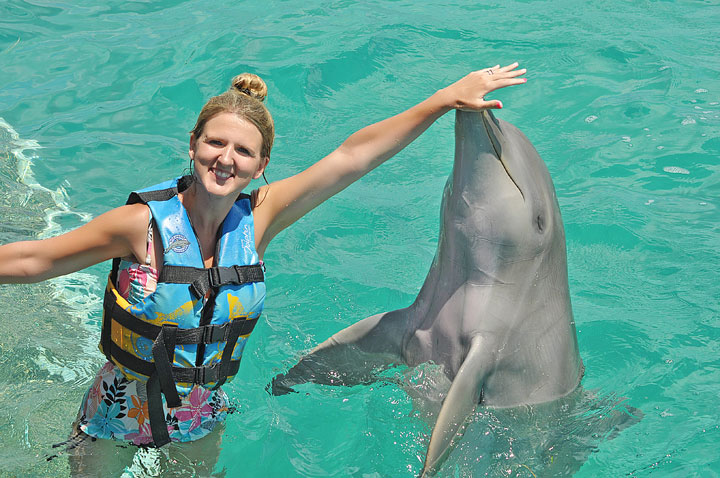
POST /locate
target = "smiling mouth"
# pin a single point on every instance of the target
(222, 175)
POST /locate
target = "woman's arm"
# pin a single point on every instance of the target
(284, 202)
(118, 233)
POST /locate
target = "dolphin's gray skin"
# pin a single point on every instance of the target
(495, 307)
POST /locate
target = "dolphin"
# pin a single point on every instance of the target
(495, 308)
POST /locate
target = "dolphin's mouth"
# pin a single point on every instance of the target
(487, 119)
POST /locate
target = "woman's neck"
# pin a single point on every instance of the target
(206, 213)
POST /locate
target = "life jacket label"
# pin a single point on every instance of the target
(178, 243)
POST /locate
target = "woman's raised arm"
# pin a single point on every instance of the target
(284, 202)
(117, 233)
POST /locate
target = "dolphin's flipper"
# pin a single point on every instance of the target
(353, 355)
(462, 399)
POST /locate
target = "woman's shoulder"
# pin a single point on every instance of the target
(132, 218)
(125, 226)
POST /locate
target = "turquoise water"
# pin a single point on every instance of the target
(622, 102)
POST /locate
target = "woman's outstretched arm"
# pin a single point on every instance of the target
(284, 202)
(120, 232)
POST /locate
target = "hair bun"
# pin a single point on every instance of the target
(251, 85)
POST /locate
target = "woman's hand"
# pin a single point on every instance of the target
(469, 92)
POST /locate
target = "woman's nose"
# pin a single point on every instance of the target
(226, 155)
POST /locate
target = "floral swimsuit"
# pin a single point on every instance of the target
(117, 408)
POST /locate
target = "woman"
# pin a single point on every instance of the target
(191, 256)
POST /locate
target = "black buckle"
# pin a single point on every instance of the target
(199, 377)
(202, 374)
(207, 334)
(228, 275)
(214, 278)
(214, 333)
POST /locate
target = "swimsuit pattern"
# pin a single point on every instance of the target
(115, 407)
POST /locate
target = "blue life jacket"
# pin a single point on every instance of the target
(193, 328)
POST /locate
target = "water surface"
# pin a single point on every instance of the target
(622, 102)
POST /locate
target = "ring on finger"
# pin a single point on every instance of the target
(489, 71)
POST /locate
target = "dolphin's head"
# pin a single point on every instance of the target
(501, 191)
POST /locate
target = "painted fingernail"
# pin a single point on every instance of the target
(524, 80)
(499, 105)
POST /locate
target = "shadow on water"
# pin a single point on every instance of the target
(548, 439)
(44, 328)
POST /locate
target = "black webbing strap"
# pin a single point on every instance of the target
(205, 374)
(109, 308)
(206, 334)
(197, 375)
(202, 280)
(236, 328)
(161, 381)
(114, 270)
(163, 350)
(147, 196)
(156, 413)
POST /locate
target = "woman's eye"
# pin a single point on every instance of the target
(215, 142)
(242, 150)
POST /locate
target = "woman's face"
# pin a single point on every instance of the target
(226, 155)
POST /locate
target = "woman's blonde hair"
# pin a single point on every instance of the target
(244, 98)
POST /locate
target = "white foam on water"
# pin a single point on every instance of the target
(18, 147)
(74, 290)
(675, 170)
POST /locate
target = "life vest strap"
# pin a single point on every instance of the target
(235, 331)
(156, 414)
(160, 194)
(196, 375)
(109, 309)
(202, 280)
(163, 351)
(147, 196)
(205, 334)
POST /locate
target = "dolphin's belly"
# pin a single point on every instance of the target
(526, 326)
(535, 383)
(538, 360)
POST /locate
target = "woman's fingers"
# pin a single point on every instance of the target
(497, 73)
(507, 71)
(483, 105)
(494, 104)
(502, 83)
(506, 76)
(509, 67)
(514, 73)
